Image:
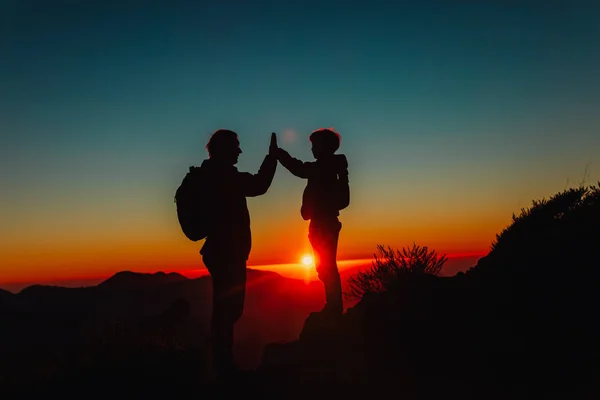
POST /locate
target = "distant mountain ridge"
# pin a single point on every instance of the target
(6, 298)
(130, 280)
(275, 309)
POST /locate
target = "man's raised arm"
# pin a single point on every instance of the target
(259, 183)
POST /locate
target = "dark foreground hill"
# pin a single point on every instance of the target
(47, 332)
(5, 298)
(521, 324)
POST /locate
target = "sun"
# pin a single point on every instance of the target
(307, 260)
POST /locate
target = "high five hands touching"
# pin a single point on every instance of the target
(273, 149)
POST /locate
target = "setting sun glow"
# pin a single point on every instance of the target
(307, 260)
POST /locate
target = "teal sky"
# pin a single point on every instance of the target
(452, 117)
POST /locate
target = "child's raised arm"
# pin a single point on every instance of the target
(295, 166)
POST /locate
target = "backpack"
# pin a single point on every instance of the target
(193, 206)
(334, 194)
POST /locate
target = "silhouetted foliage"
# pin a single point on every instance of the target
(565, 226)
(391, 266)
(546, 215)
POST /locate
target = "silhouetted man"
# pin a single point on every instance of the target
(327, 191)
(228, 242)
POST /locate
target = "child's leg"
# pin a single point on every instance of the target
(324, 240)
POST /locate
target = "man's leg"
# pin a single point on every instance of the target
(229, 289)
(324, 240)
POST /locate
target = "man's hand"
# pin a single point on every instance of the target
(273, 149)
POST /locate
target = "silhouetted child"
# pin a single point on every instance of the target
(326, 193)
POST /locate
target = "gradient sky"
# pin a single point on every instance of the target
(452, 118)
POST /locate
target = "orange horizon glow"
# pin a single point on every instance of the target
(46, 264)
(72, 253)
(300, 270)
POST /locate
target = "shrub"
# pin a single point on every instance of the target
(392, 266)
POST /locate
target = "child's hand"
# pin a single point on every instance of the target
(280, 153)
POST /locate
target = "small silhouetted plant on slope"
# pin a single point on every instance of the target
(391, 266)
